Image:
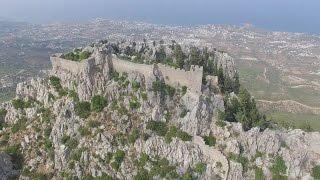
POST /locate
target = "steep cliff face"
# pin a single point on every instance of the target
(97, 123)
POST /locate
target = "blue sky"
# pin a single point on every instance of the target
(283, 15)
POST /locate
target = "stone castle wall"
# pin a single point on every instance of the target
(72, 66)
(122, 66)
(174, 77)
(192, 79)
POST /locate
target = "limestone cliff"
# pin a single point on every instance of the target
(85, 120)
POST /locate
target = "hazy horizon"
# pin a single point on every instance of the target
(284, 15)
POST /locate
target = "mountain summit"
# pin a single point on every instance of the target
(146, 110)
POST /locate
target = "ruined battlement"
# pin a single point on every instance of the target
(74, 67)
(174, 77)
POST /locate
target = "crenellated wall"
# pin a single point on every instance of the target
(174, 77)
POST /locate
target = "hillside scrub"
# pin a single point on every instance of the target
(209, 140)
(98, 103)
(3, 114)
(83, 109)
(316, 172)
(243, 109)
(77, 55)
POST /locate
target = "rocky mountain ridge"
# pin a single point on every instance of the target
(102, 124)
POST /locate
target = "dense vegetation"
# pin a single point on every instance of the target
(162, 129)
(77, 55)
(242, 108)
(278, 168)
(98, 103)
(3, 113)
(316, 172)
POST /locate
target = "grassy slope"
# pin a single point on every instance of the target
(296, 120)
(251, 74)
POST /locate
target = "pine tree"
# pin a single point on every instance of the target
(195, 56)
(221, 79)
(178, 54)
(236, 84)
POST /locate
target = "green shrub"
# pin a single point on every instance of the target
(98, 103)
(184, 113)
(171, 133)
(258, 174)
(84, 55)
(77, 55)
(160, 128)
(184, 136)
(209, 140)
(47, 132)
(35, 175)
(134, 103)
(65, 139)
(55, 82)
(175, 132)
(3, 114)
(221, 123)
(94, 124)
(162, 168)
(71, 143)
(47, 144)
(108, 157)
(73, 94)
(21, 104)
(279, 167)
(133, 136)
(158, 86)
(161, 87)
(187, 176)
(114, 75)
(135, 85)
(104, 176)
(170, 90)
(258, 154)
(20, 125)
(84, 131)
(114, 105)
(316, 172)
(46, 115)
(121, 138)
(200, 168)
(142, 174)
(76, 155)
(2, 124)
(144, 96)
(118, 157)
(240, 159)
(122, 110)
(83, 109)
(144, 158)
(71, 56)
(184, 90)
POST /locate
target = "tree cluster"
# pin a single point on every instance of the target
(242, 108)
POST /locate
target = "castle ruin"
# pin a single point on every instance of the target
(173, 77)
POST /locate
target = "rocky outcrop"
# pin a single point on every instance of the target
(63, 130)
(7, 170)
